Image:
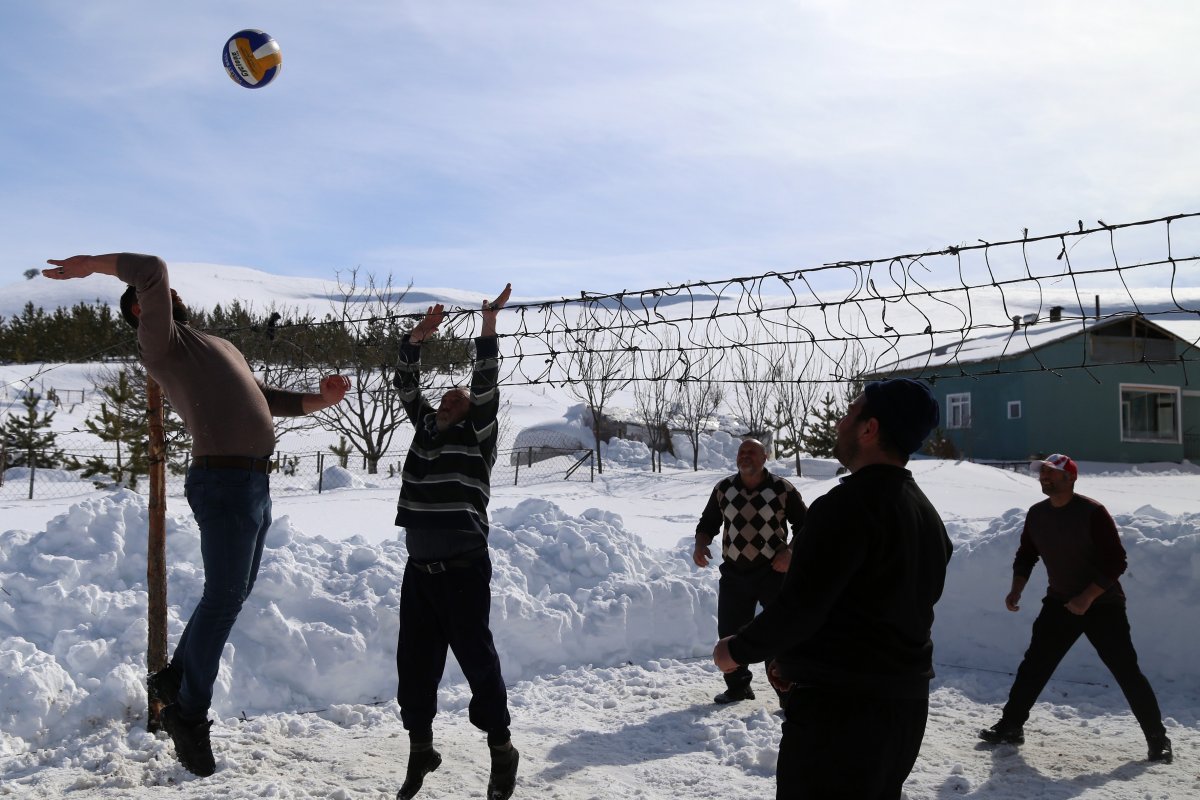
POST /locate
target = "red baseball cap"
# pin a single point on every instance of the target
(1059, 462)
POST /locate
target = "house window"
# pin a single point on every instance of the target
(958, 410)
(1150, 414)
(1014, 409)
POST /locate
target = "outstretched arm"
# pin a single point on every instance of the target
(428, 324)
(333, 389)
(81, 266)
(490, 309)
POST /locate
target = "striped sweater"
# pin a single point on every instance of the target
(447, 474)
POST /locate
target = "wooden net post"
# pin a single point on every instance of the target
(156, 545)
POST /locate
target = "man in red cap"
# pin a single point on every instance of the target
(1078, 541)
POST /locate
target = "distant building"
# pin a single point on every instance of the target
(1120, 389)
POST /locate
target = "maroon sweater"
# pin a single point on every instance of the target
(210, 385)
(1080, 546)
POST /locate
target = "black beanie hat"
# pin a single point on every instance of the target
(905, 409)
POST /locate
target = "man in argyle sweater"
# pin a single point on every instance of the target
(752, 510)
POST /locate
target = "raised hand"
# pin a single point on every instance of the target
(428, 324)
(491, 307)
(334, 388)
(80, 267)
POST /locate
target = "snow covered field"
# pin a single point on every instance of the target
(604, 628)
(603, 624)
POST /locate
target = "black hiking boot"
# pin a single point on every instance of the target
(734, 695)
(1003, 733)
(192, 745)
(1160, 749)
(163, 685)
(420, 763)
(504, 773)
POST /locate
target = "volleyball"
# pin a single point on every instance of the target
(251, 58)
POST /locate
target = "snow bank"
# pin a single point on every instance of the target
(974, 629)
(320, 627)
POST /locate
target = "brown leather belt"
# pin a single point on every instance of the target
(264, 465)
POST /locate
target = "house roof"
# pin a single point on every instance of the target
(1000, 345)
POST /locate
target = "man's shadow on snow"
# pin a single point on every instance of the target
(686, 731)
(1011, 770)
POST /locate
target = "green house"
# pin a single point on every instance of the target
(1118, 389)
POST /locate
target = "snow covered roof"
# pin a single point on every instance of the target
(1013, 342)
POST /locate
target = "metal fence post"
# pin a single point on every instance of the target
(320, 472)
(592, 465)
(32, 471)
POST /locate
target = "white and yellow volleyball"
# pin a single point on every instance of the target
(252, 58)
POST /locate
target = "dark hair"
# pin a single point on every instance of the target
(179, 311)
(127, 301)
(886, 441)
(906, 412)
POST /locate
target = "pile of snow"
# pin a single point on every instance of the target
(320, 628)
(336, 477)
(974, 629)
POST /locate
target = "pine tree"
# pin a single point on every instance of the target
(342, 451)
(28, 439)
(821, 435)
(121, 420)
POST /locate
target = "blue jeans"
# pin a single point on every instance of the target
(232, 507)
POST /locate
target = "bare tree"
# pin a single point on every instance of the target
(655, 397)
(598, 367)
(700, 395)
(794, 396)
(371, 413)
(753, 367)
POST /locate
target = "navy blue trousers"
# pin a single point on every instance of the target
(232, 507)
(449, 610)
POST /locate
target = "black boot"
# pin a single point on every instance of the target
(504, 771)
(1159, 749)
(192, 745)
(733, 695)
(1003, 733)
(422, 760)
(164, 684)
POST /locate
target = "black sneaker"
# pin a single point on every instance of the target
(420, 764)
(163, 685)
(504, 775)
(192, 745)
(1003, 733)
(1160, 749)
(734, 695)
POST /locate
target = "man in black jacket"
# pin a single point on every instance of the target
(445, 599)
(850, 630)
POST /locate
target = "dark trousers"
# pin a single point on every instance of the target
(449, 610)
(843, 744)
(1106, 626)
(232, 507)
(738, 596)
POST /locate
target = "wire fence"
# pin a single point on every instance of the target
(45, 475)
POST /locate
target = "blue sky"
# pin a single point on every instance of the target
(587, 145)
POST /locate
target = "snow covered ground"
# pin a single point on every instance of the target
(604, 628)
